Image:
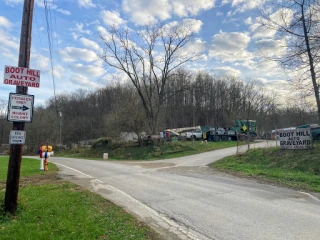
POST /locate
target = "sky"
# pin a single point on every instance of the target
(225, 31)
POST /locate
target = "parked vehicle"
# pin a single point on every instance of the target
(170, 134)
(241, 130)
(196, 134)
(315, 130)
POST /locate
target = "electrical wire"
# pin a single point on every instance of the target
(40, 40)
(49, 34)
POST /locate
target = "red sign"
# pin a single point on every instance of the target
(19, 76)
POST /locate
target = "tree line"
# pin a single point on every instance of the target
(161, 95)
(191, 100)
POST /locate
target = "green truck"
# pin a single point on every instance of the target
(240, 131)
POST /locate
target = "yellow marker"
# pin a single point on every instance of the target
(244, 128)
(44, 148)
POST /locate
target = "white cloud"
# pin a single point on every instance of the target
(143, 12)
(8, 55)
(271, 47)
(39, 3)
(111, 18)
(262, 81)
(231, 42)
(74, 36)
(13, 2)
(86, 3)
(230, 46)
(5, 23)
(85, 67)
(83, 81)
(183, 8)
(58, 71)
(194, 23)
(50, 5)
(89, 70)
(186, 25)
(7, 41)
(198, 45)
(90, 44)
(277, 18)
(193, 48)
(275, 88)
(115, 78)
(260, 31)
(248, 21)
(281, 87)
(103, 32)
(40, 62)
(249, 64)
(226, 71)
(65, 12)
(243, 5)
(72, 54)
(80, 28)
(262, 67)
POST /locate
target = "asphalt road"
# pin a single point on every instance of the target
(184, 199)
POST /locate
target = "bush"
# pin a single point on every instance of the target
(101, 143)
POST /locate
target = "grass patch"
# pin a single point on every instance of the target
(150, 152)
(53, 209)
(29, 167)
(293, 168)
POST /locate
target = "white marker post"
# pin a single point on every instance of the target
(41, 164)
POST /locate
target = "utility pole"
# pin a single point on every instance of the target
(60, 127)
(13, 177)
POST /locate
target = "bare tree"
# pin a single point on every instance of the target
(148, 58)
(297, 22)
(212, 101)
(126, 115)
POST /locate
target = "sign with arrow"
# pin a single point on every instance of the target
(17, 137)
(20, 107)
(23, 108)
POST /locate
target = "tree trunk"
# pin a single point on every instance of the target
(312, 70)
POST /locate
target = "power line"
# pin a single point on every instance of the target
(40, 40)
(49, 34)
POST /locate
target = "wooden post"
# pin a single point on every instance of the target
(249, 126)
(13, 177)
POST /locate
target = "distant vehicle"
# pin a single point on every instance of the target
(183, 131)
(169, 134)
(315, 130)
(242, 129)
(196, 134)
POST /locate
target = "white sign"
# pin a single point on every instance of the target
(17, 137)
(299, 138)
(20, 107)
(19, 76)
